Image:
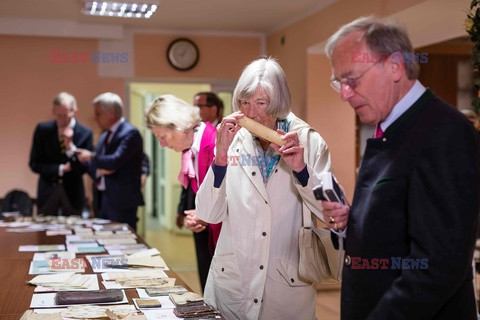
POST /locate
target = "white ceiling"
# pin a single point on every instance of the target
(262, 16)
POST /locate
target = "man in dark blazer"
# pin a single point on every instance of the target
(411, 226)
(53, 157)
(116, 165)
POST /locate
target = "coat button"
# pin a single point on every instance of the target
(264, 233)
(261, 267)
(254, 173)
(293, 280)
(223, 269)
(348, 260)
(276, 170)
(255, 300)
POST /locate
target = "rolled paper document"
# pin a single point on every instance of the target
(261, 131)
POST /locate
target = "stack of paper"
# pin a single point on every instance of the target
(124, 249)
(65, 281)
(148, 258)
(80, 244)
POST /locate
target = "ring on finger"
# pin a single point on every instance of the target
(332, 220)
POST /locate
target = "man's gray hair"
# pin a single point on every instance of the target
(65, 98)
(266, 74)
(383, 37)
(109, 100)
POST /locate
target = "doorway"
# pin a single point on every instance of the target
(162, 189)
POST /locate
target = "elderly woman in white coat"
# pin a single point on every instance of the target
(257, 189)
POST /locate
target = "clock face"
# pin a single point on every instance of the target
(182, 54)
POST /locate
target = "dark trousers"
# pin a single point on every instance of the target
(204, 257)
(58, 200)
(105, 211)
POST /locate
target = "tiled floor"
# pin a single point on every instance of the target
(179, 253)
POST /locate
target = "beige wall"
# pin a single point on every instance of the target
(220, 57)
(29, 81)
(335, 123)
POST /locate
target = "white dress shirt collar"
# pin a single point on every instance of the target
(404, 104)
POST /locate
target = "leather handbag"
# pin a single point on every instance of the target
(319, 260)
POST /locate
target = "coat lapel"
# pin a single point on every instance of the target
(112, 146)
(246, 153)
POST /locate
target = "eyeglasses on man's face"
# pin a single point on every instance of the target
(350, 82)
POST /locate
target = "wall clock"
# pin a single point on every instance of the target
(183, 54)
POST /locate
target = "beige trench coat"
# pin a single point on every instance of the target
(254, 272)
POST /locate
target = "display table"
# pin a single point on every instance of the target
(15, 293)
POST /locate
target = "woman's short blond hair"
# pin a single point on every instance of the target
(173, 113)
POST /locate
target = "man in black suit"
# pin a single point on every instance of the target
(116, 165)
(411, 227)
(53, 157)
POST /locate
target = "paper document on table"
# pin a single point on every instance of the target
(164, 314)
(134, 274)
(58, 232)
(138, 246)
(44, 247)
(38, 256)
(151, 262)
(54, 266)
(145, 253)
(121, 240)
(164, 300)
(51, 278)
(91, 284)
(148, 283)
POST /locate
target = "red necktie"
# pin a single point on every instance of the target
(378, 132)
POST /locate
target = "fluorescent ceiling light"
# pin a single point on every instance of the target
(124, 9)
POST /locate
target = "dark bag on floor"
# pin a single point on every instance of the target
(17, 200)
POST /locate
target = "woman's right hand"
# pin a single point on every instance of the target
(226, 131)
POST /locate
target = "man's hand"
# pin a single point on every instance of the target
(105, 172)
(68, 137)
(84, 155)
(193, 223)
(335, 215)
(67, 167)
(180, 219)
